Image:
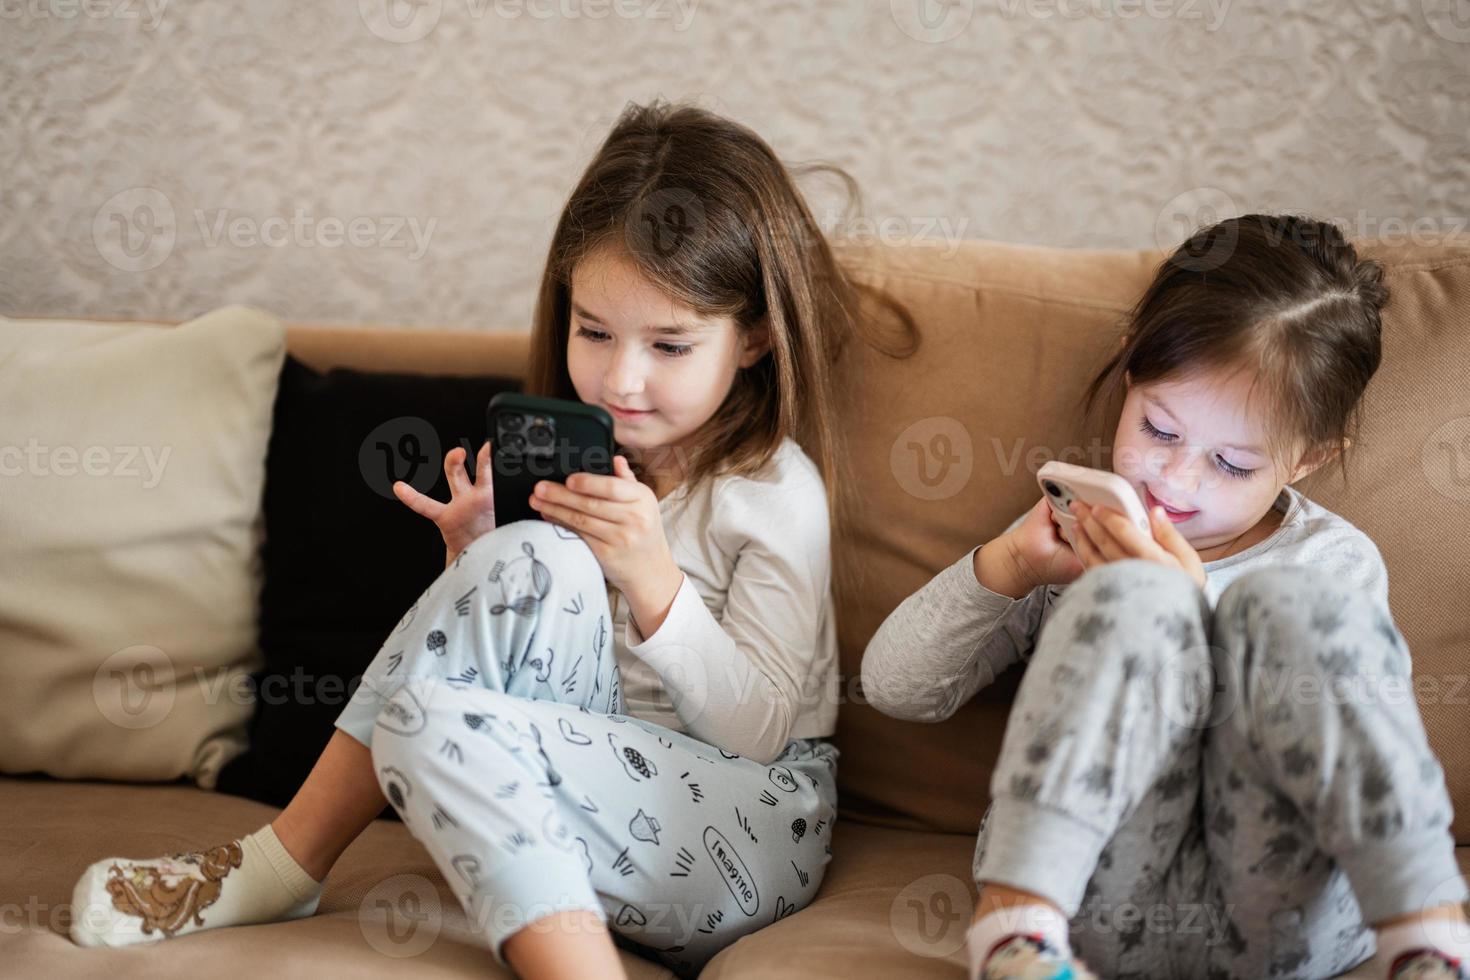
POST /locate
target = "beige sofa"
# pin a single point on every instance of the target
(1009, 333)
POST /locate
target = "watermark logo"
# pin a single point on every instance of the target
(941, 231)
(1190, 691)
(680, 13)
(407, 21)
(664, 222)
(401, 916)
(1454, 890)
(932, 21)
(404, 448)
(1212, 12)
(930, 916)
(148, 12)
(1445, 457)
(687, 684)
(1450, 19)
(134, 688)
(401, 21)
(306, 230)
(1183, 214)
(135, 229)
(933, 458)
(143, 463)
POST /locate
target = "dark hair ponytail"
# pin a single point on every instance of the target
(1284, 296)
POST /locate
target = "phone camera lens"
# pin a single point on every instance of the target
(515, 442)
(1052, 489)
(511, 423)
(540, 435)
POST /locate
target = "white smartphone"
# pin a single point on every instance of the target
(1063, 482)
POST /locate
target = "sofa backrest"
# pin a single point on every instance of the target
(944, 444)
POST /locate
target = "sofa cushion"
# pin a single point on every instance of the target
(386, 909)
(945, 445)
(894, 904)
(343, 557)
(134, 457)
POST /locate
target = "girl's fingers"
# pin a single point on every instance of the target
(556, 493)
(454, 472)
(1124, 539)
(600, 495)
(577, 520)
(482, 463)
(1098, 537)
(417, 502)
(1131, 541)
(605, 487)
(1169, 538)
(1103, 538)
(1086, 553)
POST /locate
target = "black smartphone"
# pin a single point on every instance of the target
(534, 438)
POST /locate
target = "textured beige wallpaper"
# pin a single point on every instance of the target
(402, 161)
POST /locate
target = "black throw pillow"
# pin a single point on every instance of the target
(343, 558)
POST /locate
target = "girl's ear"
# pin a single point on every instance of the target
(1314, 461)
(755, 342)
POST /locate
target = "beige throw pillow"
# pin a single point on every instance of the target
(132, 463)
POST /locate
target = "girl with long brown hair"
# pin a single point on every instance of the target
(613, 723)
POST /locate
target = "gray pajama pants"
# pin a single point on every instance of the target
(493, 715)
(1227, 793)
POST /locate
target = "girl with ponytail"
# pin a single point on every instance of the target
(1214, 764)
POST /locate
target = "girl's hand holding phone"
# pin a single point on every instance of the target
(619, 519)
(1104, 535)
(1036, 553)
(471, 508)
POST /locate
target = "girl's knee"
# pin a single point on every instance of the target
(1292, 613)
(1135, 582)
(398, 732)
(404, 716)
(1276, 589)
(1130, 603)
(414, 720)
(526, 558)
(1292, 650)
(429, 722)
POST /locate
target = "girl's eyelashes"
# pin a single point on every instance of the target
(671, 350)
(1146, 426)
(1234, 471)
(1228, 469)
(596, 336)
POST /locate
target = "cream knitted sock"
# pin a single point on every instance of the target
(122, 901)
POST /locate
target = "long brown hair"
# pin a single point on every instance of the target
(713, 218)
(1281, 295)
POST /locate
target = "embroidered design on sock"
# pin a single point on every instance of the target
(169, 895)
(1030, 957)
(1426, 964)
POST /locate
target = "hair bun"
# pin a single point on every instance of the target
(1329, 248)
(1325, 243)
(1368, 281)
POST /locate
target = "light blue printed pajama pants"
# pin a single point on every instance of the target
(1231, 794)
(493, 715)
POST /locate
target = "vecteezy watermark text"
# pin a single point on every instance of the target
(35, 459)
(306, 231)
